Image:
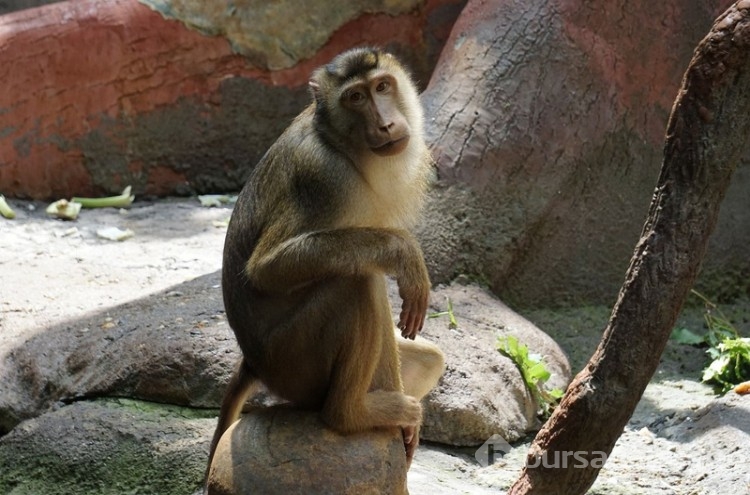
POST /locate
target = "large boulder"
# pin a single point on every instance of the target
(280, 450)
(107, 447)
(547, 123)
(173, 348)
(176, 348)
(100, 94)
(482, 392)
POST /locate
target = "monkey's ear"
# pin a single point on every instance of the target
(314, 87)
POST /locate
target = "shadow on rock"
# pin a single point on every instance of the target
(173, 347)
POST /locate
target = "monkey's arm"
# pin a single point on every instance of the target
(318, 255)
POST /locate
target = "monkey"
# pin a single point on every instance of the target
(321, 221)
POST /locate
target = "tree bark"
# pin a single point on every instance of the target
(706, 135)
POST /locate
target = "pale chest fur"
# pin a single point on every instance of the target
(391, 191)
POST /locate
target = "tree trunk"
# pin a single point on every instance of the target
(706, 135)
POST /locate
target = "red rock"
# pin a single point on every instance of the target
(99, 94)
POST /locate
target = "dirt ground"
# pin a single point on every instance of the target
(676, 443)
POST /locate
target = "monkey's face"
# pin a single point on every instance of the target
(374, 105)
(366, 104)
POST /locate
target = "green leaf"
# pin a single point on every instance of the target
(533, 371)
(538, 373)
(5, 209)
(716, 369)
(557, 393)
(124, 200)
(731, 364)
(452, 321)
(686, 337)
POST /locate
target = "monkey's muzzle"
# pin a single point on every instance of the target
(391, 148)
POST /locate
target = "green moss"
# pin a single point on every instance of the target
(128, 470)
(112, 446)
(165, 410)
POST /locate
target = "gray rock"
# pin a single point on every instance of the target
(167, 348)
(266, 33)
(542, 191)
(107, 447)
(279, 450)
(482, 393)
(177, 349)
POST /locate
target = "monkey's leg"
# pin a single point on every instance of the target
(422, 365)
(241, 386)
(365, 388)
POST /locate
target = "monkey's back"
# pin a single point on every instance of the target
(290, 191)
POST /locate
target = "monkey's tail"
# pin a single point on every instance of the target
(241, 386)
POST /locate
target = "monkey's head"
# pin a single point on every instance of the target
(365, 98)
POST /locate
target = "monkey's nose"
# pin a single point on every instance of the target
(386, 127)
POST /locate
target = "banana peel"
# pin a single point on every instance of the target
(69, 210)
(209, 200)
(121, 201)
(5, 209)
(64, 209)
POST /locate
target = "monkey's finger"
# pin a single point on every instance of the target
(412, 326)
(405, 320)
(411, 440)
(420, 322)
(416, 324)
(405, 323)
(418, 318)
(402, 321)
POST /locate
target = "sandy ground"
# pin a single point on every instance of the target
(53, 270)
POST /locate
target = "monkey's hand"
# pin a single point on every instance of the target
(414, 289)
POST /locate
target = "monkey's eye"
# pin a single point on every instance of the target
(356, 97)
(382, 86)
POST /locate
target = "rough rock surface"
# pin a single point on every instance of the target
(266, 33)
(279, 451)
(186, 360)
(547, 120)
(58, 278)
(140, 352)
(101, 94)
(111, 447)
(482, 393)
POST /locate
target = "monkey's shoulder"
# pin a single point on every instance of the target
(300, 171)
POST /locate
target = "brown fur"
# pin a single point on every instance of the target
(318, 225)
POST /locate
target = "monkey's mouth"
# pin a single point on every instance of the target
(391, 147)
